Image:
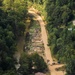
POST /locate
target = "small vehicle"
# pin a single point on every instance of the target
(58, 62)
(53, 63)
(48, 60)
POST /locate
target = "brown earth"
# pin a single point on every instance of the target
(47, 51)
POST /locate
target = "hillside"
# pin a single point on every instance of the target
(37, 36)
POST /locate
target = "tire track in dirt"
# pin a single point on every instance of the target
(45, 41)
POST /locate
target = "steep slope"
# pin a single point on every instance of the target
(47, 49)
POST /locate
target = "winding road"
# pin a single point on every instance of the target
(45, 41)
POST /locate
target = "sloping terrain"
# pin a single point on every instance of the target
(47, 51)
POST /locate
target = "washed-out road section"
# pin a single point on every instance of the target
(47, 51)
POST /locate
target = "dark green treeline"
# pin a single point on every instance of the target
(13, 15)
(61, 31)
(12, 25)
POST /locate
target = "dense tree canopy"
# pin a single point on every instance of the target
(31, 64)
(60, 14)
(61, 35)
(12, 25)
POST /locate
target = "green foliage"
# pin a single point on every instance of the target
(70, 68)
(1, 2)
(37, 1)
(39, 61)
(61, 40)
(12, 25)
(10, 72)
(21, 26)
(29, 61)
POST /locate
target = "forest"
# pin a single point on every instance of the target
(12, 25)
(59, 16)
(13, 14)
(61, 31)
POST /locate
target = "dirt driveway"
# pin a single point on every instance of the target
(45, 41)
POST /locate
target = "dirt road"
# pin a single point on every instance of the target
(47, 49)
